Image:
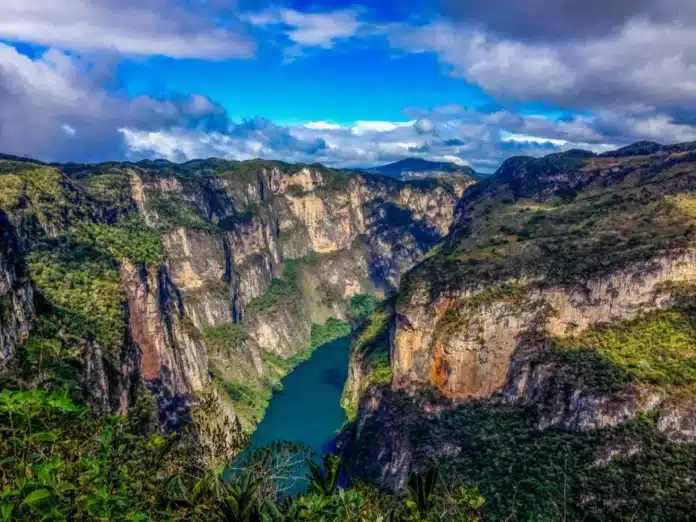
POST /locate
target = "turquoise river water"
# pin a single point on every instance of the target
(308, 409)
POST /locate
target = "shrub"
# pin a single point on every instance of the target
(330, 331)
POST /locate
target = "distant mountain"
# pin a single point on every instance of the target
(644, 148)
(416, 168)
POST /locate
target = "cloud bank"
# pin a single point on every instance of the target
(130, 27)
(608, 73)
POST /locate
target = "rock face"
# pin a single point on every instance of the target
(16, 293)
(474, 359)
(228, 236)
(565, 291)
(182, 252)
(173, 359)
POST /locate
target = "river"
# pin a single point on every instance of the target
(307, 409)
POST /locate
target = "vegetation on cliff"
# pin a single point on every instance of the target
(282, 288)
(330, 331)
(564, 220)
(562, 433)
(62, 456)
(656, 349)
(632, 470)
(369, 354)
(60, 461)
(84, 282)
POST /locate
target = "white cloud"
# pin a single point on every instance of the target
(456, 160)
(84, 117)
(645, 62)
(311, 29)
(363, 127)
(525, 138)
(145, 27)
(472, 138)
(322, 125)
(459, 136)
(424, 125)
(57, 107)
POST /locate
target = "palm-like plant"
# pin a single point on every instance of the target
(421, 490)
(324, 481)
(239, 504)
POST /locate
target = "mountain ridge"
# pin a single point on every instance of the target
(415, 166)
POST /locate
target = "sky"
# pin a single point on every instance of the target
(343, 83)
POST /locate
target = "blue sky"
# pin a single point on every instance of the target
(343, 83)
(342, 86)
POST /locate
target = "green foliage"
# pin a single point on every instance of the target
(381, 371)
(330, 331)
(229, 223)
(281, 363)
(225, 337)
(7, 306)
(129, 240)
(239, 502)
(324, 481)
(281, 289)
(615, 473)
(175, 212)
(286, 364)
(44, 193)
(111, 189)
(250, 401)
(59, 462)
(335, 179)
(78, 274)
(361, 307)
(657, 348)
(370, 352)
(559, 237)
(235, 375)
(83, 284)
(421, 489)
(277, 291)
(51, 357)
(15, 166)
(374, 329)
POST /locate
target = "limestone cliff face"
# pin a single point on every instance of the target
(199, 267)
(226, 231)
(545, 298)
(16, 293)
(472, 359)
(241, 226)
(470, 349)
(173, 358)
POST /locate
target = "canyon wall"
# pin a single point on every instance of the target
(138, 266)
(562, 300)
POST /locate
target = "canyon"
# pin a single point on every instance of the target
(531, 333)
(201, 278)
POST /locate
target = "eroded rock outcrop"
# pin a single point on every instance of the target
(556, 314)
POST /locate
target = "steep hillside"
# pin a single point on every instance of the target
(545, 351)
(205, 278)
